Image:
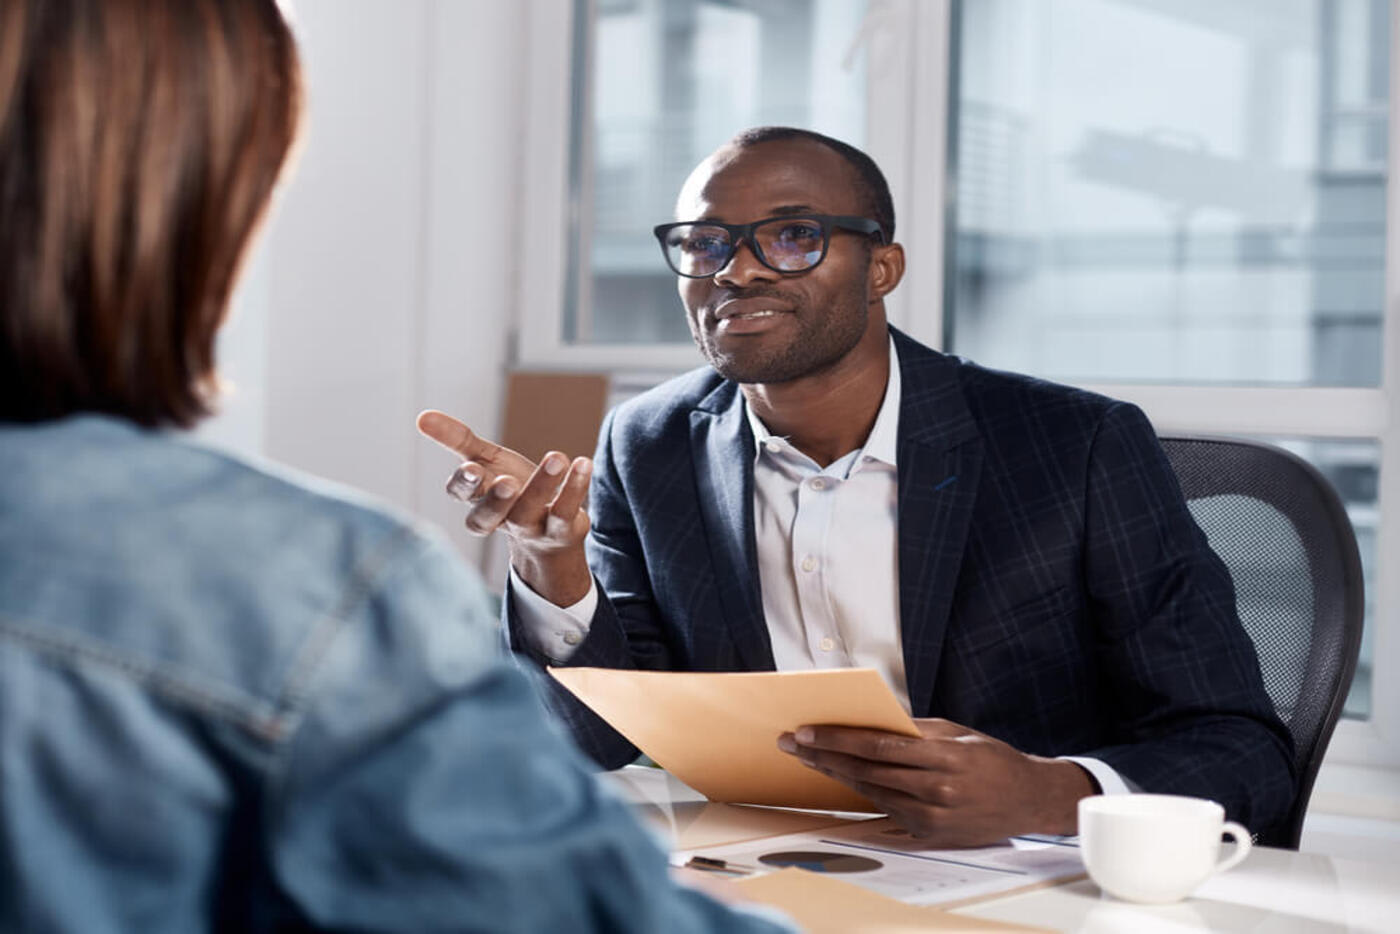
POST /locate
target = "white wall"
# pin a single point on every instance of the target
(386, 281)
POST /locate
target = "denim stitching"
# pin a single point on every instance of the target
(363, 580)
(295, 694)
(73, 648)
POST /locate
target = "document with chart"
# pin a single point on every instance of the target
(881, 856)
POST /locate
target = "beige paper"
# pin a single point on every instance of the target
(689, 821)
(718, 732)
(821, 904)
(693, 826)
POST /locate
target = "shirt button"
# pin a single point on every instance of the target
(828, 644)
(809, 563)
(773, 446)
(818, 483)
(572, 638)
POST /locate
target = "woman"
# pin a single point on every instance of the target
(229, 699)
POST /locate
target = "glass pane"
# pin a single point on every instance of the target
(662, 83)
(1353, 469)
(1159, 191)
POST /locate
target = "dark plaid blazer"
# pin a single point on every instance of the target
(1054, 590)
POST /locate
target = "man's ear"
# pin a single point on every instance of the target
(886, 269)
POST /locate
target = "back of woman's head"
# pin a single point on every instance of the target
(139, 144)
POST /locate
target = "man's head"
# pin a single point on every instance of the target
(759, 324)
(140, 141)
(874, 191)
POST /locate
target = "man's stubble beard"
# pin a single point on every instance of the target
(817, 345)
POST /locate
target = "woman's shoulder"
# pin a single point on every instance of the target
(178, 558)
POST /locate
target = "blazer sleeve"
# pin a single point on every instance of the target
(626, 630)
(1192, 713)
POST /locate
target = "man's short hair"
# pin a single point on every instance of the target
(140, 141)
(874, 190)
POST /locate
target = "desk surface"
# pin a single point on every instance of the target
(1272, 892)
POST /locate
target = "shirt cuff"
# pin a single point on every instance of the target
(555, 632)
(1109, 781)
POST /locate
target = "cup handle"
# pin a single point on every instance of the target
(1243, 844)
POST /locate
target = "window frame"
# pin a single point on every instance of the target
(544, 283)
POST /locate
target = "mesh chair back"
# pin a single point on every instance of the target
(1283, 533)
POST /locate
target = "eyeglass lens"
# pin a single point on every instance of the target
(785, 244)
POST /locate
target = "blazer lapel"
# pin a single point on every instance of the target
(940, 459)
(723, 454)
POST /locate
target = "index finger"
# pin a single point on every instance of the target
(467, 444)
(880, 745)
(452, 434)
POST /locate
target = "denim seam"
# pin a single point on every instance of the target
(363, 580)
(73, 648)
(296, 691)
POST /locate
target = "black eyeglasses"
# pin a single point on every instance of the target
(699, 249)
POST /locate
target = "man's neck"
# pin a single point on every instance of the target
(827, 415)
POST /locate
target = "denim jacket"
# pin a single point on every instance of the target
(233, 701)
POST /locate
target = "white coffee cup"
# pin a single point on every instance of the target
(1155, 849)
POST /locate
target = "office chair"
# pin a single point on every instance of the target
(1283, 533)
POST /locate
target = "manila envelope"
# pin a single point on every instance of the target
(718, 732)
(823, 905)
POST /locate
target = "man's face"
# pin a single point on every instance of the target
(756, 325)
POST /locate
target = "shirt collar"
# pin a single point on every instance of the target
(884, 436)
(883, 440)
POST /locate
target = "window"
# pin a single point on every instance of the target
(1169, 195)
(671, 81)
(657, 85)
(1212, 213)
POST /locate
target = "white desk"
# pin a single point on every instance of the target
(1272, 892)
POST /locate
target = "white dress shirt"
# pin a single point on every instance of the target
(827, 541)
(826, 537)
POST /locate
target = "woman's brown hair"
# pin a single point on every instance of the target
(140, 141)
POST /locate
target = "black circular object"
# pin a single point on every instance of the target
(818, 861)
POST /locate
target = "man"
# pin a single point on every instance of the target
(1013, 556)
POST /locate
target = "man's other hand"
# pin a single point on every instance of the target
(540, 507)
(952, 786)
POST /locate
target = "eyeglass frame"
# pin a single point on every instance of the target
(743, 233)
